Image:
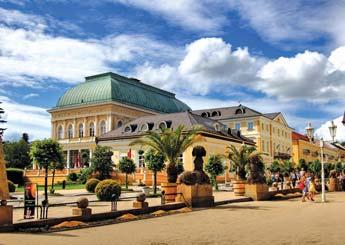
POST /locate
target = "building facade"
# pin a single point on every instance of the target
(270, 131)
(310, 150)
(103, 103)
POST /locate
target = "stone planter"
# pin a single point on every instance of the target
(170, 190)
(198, 195)
(258, 192)
(239, 187)
(332, 184)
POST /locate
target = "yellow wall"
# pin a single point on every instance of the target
(271, 136)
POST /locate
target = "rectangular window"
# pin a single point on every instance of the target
(268, 146)
(238, 126)
(250, 126)
(263, 146)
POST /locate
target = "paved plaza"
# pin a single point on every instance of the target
(270, 222)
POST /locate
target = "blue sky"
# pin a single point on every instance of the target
(286, 56)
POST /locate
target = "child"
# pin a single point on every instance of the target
(312, 188)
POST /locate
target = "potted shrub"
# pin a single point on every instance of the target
(256, 186)
(239, 159)
(170, 143)
(215, 167)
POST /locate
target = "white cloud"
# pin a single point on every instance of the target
(323, 131)
(31, 95)
(309, 75)
(281, 21)
(23, 118)
(190, 14)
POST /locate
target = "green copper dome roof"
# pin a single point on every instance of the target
(109, 87)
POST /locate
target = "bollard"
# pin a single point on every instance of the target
(163, 198)
(64, 184)
(113, 203)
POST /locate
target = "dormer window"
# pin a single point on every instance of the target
(214, 113)
(217, 126)
(127, 129)
(133, 127)
(162, 125)
(204, 114)
(240, 111)
(144, 127)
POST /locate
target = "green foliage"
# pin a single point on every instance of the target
(171, 143)
(17, 154)
(302, 165)
(91, 185)
(240, 158)
(214, 167)
(101, 162)
(85, 158)
(11, 186)
(315, 167)
(338, 167)
(179, 168)
(72, 177)
(127, 166)
(256, 170)
(275, 167)
(105, 190)
(287, 167)
(46, 153)
(15, 175)
(154, 162)
(84, 175)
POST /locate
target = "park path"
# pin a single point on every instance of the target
(270, 222)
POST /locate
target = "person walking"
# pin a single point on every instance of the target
(312, 188)
(302, 186)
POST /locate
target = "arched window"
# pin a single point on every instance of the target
(162, 125)
(60, 132)
(81, 130)
(92, 129)
(103, 127)
(70, 131)
(119, 124)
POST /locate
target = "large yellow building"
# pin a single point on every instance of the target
(270, 131)
(214, 136)
(310, 151)
(103, 103)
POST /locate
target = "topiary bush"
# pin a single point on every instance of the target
(15, 175)
(11, 186)
(105, 189)
(72, 177)
(91, 185)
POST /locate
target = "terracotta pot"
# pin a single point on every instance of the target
(239, 187)
(170, 190)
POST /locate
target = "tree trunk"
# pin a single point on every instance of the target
(53, 178)
(154, 182)
(215, 182)
(46, 186)
(126, 181)
(172, 173)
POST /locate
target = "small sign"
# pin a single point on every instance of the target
(29, 200)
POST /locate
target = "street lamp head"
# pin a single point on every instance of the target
(310, 131)
(322, 143)
(333, 130)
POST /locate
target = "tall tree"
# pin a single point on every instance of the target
(240, 158)
(17, 154)
(155, 162)
(171, 143)
(46, 153)
(101, 162)
(127, 166)
(214, 167)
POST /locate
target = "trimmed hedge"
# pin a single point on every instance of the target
(106, 189)
(72, 177)
(15, 175)
(11, 186)
(91, 185)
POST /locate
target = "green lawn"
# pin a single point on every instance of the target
(69, 186)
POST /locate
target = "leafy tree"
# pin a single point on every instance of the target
(46, 153)
(275, 167)
(17, 154)
(315, 167)
(101, 162)
(155, 162)
(171, 143)
(302, 165)
(214, 167)
(287, 167)
(240, 158)
(127, 166)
